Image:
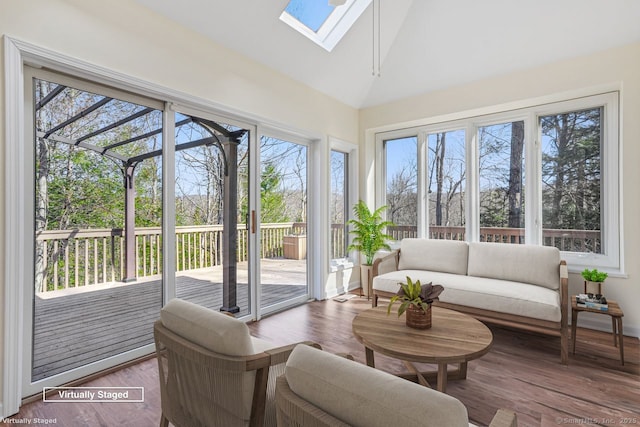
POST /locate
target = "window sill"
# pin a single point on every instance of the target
(340, 264)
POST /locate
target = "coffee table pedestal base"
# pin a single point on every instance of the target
(426, 378)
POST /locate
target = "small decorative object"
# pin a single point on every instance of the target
(593, 280)
(416, 301)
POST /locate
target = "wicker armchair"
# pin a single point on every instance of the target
(212, 372)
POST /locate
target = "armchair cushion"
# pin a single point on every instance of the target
(212, 330)
(362, 396)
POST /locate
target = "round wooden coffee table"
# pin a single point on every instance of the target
(454, 338)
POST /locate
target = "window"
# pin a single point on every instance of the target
(323, 24)
(311, 13)
(446, 174)
(401, 172)
(338, 202)
(571, 180)
(545, 174)
(501, 181)
(342, 195)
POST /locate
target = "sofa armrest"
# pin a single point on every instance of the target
(387, 263)
(504, 418)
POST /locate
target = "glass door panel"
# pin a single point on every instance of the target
(97, 215)
(283, 224)
(206, 150)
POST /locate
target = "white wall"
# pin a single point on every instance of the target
(122, 36)
(618, 67)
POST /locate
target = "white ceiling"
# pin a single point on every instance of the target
(426, 44)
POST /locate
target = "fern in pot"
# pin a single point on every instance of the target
(369, 237)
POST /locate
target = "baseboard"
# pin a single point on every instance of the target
(332, 293)
(603, 323)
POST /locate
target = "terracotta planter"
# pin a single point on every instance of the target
(417, 318)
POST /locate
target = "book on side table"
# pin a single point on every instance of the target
(596, 302)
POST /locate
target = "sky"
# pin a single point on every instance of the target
(311, 13)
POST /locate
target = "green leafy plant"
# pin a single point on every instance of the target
(594, 275)
(368, 231)
(414, 293)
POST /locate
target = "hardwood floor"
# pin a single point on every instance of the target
(521, 372)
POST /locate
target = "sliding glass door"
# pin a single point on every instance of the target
(211, 197)
(96, 193)
(134, 202)
(284, 237)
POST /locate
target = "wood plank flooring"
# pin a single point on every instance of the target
(78, 328)
(521, 372)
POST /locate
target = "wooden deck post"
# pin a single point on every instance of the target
(230, 233)
(129, 224)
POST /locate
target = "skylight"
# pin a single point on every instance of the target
(322, 23)
(311, 13)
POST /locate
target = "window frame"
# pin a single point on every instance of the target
(351, 187)
(612, 239)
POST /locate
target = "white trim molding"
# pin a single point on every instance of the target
(14, 222)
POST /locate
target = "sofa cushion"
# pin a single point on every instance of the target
(489, 294)
(503, 296)
(363, 396)
(390, 282)
(447, 256)
(538, 265)
(208, 328)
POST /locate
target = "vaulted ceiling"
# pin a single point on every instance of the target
(426, 45)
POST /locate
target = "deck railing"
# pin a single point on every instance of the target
(75, 258)
(565, 240)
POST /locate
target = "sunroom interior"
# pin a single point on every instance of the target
(275, 127)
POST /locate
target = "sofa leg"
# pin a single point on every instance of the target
(374, 300)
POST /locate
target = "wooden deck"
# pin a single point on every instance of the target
(75, 327)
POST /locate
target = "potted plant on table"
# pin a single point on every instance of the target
(368, 229)
(416, 302)
(593, 281)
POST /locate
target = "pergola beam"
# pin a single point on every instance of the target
(55, 92)
(200, 142)
(230, 224)
(116, 124)
(78, 116)
(88, 146)
(130, 273)
(143, 136)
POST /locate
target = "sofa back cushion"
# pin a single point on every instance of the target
(210, 329)
(445, 256)
(362, 396)
(537, 265)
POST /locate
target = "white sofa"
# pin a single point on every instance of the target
(524, 286)
(322, 389)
